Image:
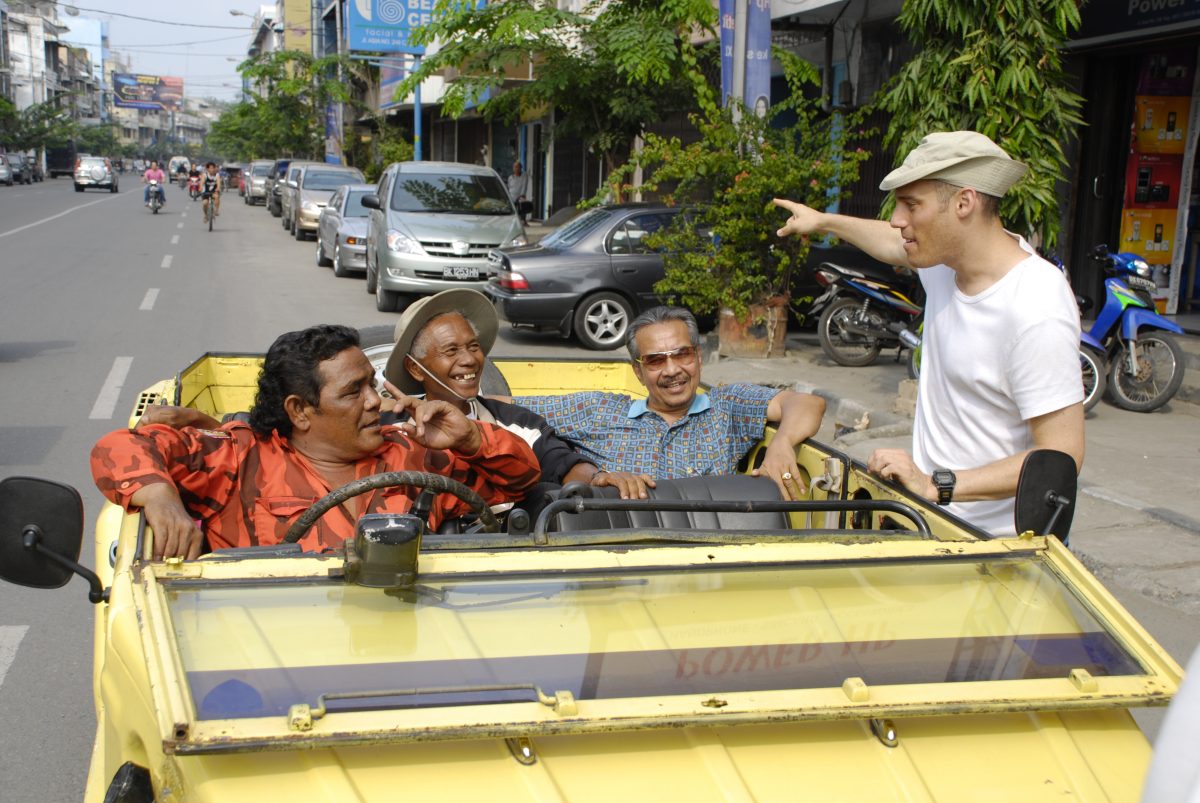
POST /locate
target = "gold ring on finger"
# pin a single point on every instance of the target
(787, 475)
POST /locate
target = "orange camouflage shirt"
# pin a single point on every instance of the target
(246, 489)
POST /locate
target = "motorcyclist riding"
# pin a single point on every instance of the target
(211, 186)
(154, 173)
(194, 182)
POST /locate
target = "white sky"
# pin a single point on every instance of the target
(155, 48)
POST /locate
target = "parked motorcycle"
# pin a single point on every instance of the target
(1144, 363)
(156, 198)
(864, 311)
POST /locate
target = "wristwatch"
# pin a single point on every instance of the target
(943, 480)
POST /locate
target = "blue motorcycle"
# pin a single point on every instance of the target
(1144, 363)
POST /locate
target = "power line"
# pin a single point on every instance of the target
(165, 44)
(245, 28)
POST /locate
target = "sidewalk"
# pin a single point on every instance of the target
(1137, 521)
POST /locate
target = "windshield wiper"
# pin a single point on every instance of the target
(301, 715)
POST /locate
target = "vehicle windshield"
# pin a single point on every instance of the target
(329, 179)
(456, 195)
(634, 633)
(14, 159)
(354, 207)
(260, 170)
(91, 162)
(575, 230)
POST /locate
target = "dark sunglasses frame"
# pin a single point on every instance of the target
(657, 359)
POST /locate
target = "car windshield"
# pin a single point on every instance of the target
(260, 170)
(458, 195)
(329, 179)
(354, 207)
(634, 633)
(91, 163)
(575, 230)
(16, 160)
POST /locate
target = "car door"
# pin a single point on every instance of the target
(377, 228)
(636, 267)
(288, 198)
(330, 219)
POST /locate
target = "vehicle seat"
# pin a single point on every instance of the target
(718, 487)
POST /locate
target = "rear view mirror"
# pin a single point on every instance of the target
(54, 510)
(370, 200)
(41, 529)
(1046, 494)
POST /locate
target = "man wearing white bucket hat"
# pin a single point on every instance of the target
(999, 363)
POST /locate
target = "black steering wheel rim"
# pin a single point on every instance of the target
(416, 479)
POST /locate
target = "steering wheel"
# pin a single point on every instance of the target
(415, 479)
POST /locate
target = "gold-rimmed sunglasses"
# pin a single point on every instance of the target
(657, 359)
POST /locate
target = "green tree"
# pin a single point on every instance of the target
(993, 66)
(722, 252)
(97, 139)
(607, 70)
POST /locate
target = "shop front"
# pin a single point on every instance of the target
(1135, 187)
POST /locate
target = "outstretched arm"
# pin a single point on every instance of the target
(876, 237)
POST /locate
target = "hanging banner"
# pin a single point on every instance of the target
(383, 26)
(757, 95)
(727, 33)
(391, 73)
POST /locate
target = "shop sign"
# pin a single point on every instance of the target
(1112, 20)
(384, 26)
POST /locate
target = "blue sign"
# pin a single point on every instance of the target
(727, 11)
(758, 57)
(383, 26)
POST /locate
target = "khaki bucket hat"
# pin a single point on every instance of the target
(473, 305)
(961, 158)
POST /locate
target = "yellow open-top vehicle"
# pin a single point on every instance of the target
(862, 646)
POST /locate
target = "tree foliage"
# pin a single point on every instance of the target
(992, 66)
(723, 250)
(607, 70)
(41, 125)
(288, 117)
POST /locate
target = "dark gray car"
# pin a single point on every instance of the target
(342, 231)
(21, 173)
(590, 276)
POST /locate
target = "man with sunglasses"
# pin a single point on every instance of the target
(676, 432)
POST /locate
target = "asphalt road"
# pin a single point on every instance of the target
(100, 300)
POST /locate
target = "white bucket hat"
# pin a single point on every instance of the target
(961, 158)
(471, 304)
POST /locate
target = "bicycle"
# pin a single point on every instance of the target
(209, 209)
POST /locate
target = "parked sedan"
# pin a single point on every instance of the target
(590, 276)
(342, 231)
(21, 173)
(274, 189)
(94, 171)
(6, 173)
(315, 185)
(256, 181)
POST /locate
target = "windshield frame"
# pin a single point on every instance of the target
(351, 178)
(184, 733)
(488, 189)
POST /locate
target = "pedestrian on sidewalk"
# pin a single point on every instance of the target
(518, 190)
(1000, 361)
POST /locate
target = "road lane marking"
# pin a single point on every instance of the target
(148, 301)
(166, 263)
(60, 214)
(10, 639)
(174, 239)
(110, 391)
(179, 225)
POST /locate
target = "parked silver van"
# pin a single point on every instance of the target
(432, 225)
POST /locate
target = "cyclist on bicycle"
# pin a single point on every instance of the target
(210, 187)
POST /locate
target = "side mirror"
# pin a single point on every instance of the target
(41, 531)
(370, 201)
(293, 184)
(1046, 493)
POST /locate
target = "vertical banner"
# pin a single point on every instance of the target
(1162, 140)
(333, 133)
(727, 11)
(392, 71)
(757, 95)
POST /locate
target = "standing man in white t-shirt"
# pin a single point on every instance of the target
(1000, 352)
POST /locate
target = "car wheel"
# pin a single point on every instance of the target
(78, 188)
(322, 260)
(113, 188)
(297, 232)
(371, 280)
(386, 300)
(285, 222)
(338, 270)
(601, 321)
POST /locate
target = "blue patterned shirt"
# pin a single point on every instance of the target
(620, 434)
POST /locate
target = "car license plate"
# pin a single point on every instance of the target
(460, 272)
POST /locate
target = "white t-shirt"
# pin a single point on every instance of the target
(989, 363)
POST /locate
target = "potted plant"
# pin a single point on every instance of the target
(722, 256)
